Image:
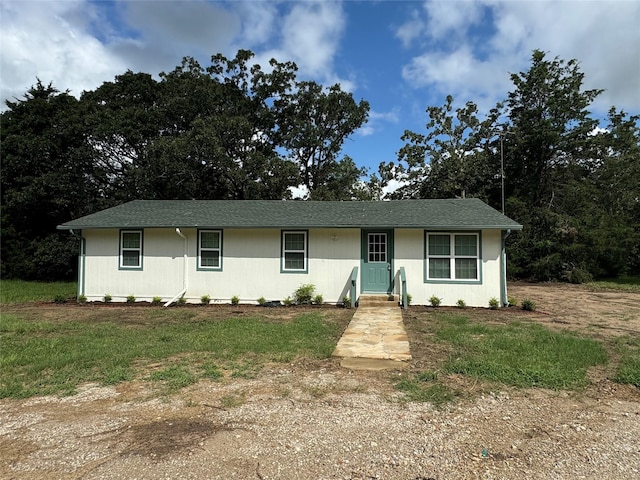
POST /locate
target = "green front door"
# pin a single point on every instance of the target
(377, 261)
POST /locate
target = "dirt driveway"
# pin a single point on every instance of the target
(314, 420)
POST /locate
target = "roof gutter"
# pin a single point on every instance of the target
(184, 271)
(503, 269)
(81, 261)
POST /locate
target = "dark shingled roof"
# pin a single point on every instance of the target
(462, 214)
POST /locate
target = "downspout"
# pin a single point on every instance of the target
(184, 271)
(503, 270)
(81, 262)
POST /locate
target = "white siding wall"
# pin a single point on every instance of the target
(251, 267)
(161, 274)
(409, 253)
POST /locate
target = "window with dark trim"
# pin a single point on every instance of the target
(294, 251)
(210, 249)
(377, 246)
(131, 249)
(453, 256)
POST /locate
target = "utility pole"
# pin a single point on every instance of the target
(502, 168)
(501, 134)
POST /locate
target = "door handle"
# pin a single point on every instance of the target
(389, 266)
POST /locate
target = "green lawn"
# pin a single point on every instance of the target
(518, 354)
(53, 349)
(20, 291)
(626, 283)
(110, 345)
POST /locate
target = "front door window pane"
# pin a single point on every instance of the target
(377, 247)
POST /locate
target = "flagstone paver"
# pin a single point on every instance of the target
(375, 338)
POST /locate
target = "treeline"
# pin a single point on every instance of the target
(572, 183)
(235, 131)
(228, 131)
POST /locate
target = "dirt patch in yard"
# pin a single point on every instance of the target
(313, 419)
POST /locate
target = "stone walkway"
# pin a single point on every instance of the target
(375, 338)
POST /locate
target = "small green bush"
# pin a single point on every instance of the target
(181, 301)
(577, 275)
(513, 301)
(287, 302)
(318, 300)
(205, 299)
(82, 299)
(107, 298)
(262, 301)
(131, 298)
(346, 302)
(156, 301)
(494, 303)
(461, 304)
(528, 305)
(304, 294)
(435, 301)
(60, 299)
(409, 298)
(235, 300)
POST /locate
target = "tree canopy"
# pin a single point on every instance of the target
(229, 130)
(234, 129)
(574, 185)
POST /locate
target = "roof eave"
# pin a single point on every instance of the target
(426, 227)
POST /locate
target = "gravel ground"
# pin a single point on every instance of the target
(323, 424)
(316, 420)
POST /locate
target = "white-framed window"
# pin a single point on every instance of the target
(452, 256)
(130, 250)
(294, 251)
(209, 249)
(377, 247)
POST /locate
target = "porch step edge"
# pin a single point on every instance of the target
(378, 299)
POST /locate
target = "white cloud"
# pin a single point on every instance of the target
(160, 34)
(308, 34)
(311, 34)
(603, 36)
(392, 186)
(447, 19)
(301, 192)
(461, 74)
(78, 45)
(411, 29)
(259, 22)
(376, 119)
(49, 40)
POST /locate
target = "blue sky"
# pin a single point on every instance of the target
(401, 56)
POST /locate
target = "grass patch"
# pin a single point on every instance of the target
(40, 357)
(425, 387)
(20, 291)
(232, 401)
(521, 355)
(174, 377)
(628, 370)
(625, 283)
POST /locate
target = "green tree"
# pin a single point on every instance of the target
(550, 152)
(450, 159)
(550, 126)
(47, 177)
(612, 226)
(313, 125)
(124, 119)
(572, 185)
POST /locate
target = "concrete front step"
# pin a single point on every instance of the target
(369, 299)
